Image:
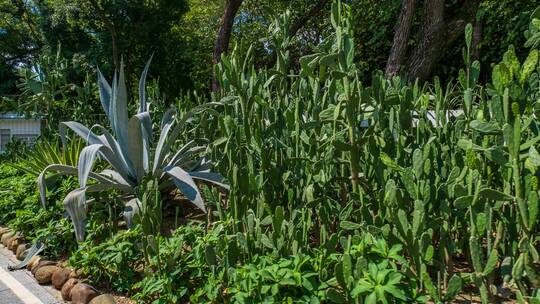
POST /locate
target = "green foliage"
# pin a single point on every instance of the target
(370, 271)
(45, 153)
(53, 87)
(181, 261)
(267, 280)
(116, 260)
(20, 210)
(341, 190)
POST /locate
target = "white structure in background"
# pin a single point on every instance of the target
(14, 126)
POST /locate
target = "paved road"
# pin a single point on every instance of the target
(19, 287)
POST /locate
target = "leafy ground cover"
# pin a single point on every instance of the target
(339, 191)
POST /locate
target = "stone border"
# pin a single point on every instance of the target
(46, 272)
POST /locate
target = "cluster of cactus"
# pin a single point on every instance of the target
(318, 156)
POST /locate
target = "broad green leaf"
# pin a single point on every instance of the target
(532, 203)
(512, 63)
(468, 34)
(346, 266)
(335, 296)
(463, 201)
(476, 253)
(455, 284)
(389, 162)
(529, 65)
(485, 127)
(491, 262)
(346, 225)
(495, 195)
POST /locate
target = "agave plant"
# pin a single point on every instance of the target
(131, 155)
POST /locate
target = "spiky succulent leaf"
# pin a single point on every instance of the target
(131, 208)
(105, 92)
(186, 185)
(210, 177)
(142, 88)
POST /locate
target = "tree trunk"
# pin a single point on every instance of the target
(429, 47)
(401, 37)
(437, 35)
(112, 30)
(224, 35)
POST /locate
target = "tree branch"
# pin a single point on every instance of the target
(224, 35)
(314, 11)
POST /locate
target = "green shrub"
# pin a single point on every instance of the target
(115, 262)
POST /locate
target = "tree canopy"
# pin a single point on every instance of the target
(187, 37)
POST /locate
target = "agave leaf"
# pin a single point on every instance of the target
(112, 105)
(131, 208)
(176, 132)
(75, 205)
(211, 177)
(186, 151)
(180, 160)
(137, 147)
(88, 156)
(36, 248)
(80, 130)
(142, 89)
(66, 170)
(120, 110)
(166, 124)
(86, 161)
(117, 177)
(125, 168)
(186, 185)
(202, 164)
(104, 92)
(147, 134)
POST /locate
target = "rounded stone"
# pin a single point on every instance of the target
(60, 277)
(14, 241)
(44, 274)
(4, 230)
(66, 289)
(20, 250)
(83, 293)
(33, 262)
(23, 255)
(42, 263)
(6, 236)
(103, 299)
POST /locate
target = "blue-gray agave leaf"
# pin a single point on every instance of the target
(105, 92)
(187, 186)
(142, 87)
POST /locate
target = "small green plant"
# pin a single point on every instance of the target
(370, 272)
(115, 262)
(45, 153)
(269, 280)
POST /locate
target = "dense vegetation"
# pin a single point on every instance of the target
(342, 186)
